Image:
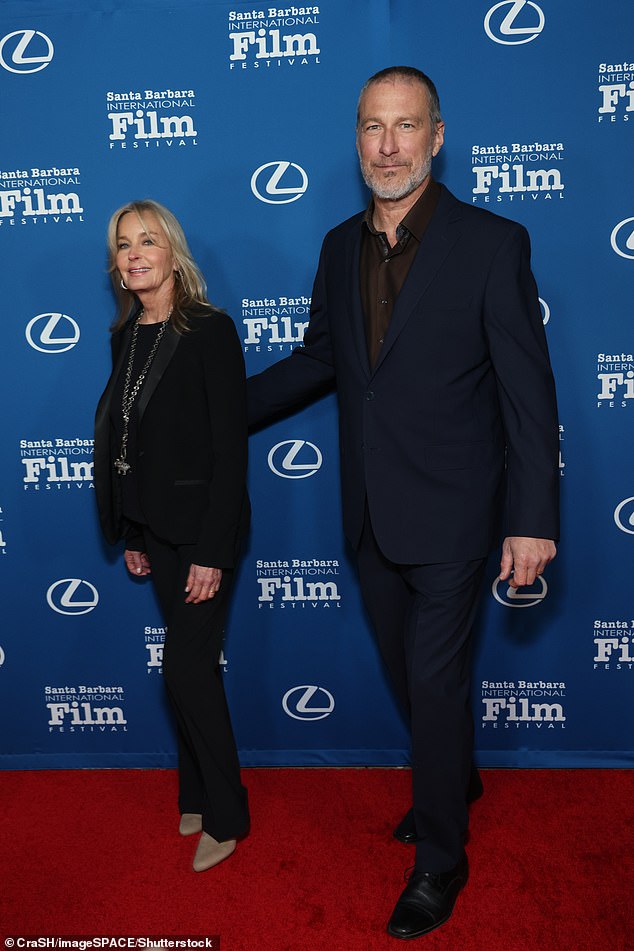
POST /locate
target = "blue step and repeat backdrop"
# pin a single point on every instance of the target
(240, 117)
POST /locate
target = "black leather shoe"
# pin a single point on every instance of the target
(406, 829)
(427, 901)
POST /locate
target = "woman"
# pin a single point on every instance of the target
(170, 469)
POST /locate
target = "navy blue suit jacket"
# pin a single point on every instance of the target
(453, 435)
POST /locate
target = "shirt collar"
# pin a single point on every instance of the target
(417, 218)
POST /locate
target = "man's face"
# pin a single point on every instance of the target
(395, 140)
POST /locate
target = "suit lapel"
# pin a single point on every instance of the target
(442, 233)
(355, 309)
(165, 352)
(104, 404)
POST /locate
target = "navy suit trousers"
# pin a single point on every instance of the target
(422, 616)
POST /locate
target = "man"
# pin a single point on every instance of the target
(425, 316)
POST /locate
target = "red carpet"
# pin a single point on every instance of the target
(98, 852)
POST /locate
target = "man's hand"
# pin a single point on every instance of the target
(137, 563)
(526, 558)
(202, 584)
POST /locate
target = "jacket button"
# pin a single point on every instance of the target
(369, 395)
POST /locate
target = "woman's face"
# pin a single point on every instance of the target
(144, 257)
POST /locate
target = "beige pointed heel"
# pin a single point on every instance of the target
(210, 852)
(191, 823)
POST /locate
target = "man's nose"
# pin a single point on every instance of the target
(389, 144)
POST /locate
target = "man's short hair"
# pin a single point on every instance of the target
(409, 74)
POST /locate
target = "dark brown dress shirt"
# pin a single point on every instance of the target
(383, 269)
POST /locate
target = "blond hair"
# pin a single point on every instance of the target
(189, 284)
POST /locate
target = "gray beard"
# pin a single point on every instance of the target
(393, 190)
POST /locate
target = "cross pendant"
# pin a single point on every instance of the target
(121, 466)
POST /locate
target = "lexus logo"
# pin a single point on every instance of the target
(624, 516)
(52, 333)
(545, 310)
(515, 26)
(308, 702)
(622, 238)
(265, 182)
(14, 47)
(295, 459)
(519, 597)
(72, 596)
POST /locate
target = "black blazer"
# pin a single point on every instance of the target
(453, 436)
(192, 429)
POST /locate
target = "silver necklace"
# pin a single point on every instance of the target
(130, 394)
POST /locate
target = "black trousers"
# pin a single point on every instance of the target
(209, 771)
(422, 616)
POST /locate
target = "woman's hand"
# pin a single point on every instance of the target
(202, 584)
(137, 563)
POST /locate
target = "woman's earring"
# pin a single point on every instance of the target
(123, 285)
